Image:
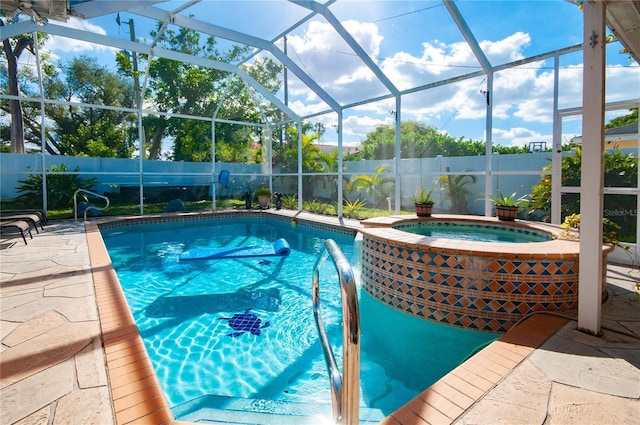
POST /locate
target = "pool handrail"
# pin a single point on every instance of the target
(345, 396)
(91, 207)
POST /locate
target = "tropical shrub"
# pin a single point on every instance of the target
(314, 206)
(379, 186)
(290, 202)
(263, 191)
(620, 170)
(455, 188)
(610, 230)
(352, 209)
(61, 185)
(423, 197)
(509, 200)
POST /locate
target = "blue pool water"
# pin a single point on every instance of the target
(204, 358)
(474, 232)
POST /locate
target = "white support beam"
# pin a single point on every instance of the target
(24, 27)
(238, 37)
(488, 179)
(468, 35)
(340, 166)
(93, 9)
(398, 154)
(348, 38)
(592, 175)
(556, 158)
(155, 51)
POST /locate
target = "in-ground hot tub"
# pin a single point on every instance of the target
(474, 284)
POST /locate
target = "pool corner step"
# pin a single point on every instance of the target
(239, 411)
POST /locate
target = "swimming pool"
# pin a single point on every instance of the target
(183, 312)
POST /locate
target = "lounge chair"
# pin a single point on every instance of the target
(41, 213)
(17, 226)
(29, 217)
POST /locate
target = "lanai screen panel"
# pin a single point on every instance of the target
(409, 57)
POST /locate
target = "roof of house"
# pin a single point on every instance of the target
(624, 129)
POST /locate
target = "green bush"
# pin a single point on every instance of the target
(290, 202)
(263, 191)
(352, 209)
(314, 206)
(610, 230)
(620, 170)
(61, 185)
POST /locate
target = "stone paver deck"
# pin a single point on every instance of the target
(53, 363)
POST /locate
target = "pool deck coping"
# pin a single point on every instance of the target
(564, 245)
(136, 397)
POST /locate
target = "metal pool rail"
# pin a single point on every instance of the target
(345, 394)
(91, 207)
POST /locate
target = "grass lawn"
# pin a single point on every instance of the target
(134, 209)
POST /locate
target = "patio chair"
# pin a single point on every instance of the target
(17, 226)
(29, 217)
(41, 213)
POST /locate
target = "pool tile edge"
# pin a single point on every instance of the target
(141, 402)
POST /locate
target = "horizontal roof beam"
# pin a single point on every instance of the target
(238, 37)
(28, 27)
(348, 38)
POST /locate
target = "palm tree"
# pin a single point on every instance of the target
(456, 190)
(310, 151)
(378, 186)
(329, 163)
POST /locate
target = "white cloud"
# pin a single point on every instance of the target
(522, 98)
(303, 108)
(437, 62)
(623, 82)
(328, 59)
(518, 136)
(508, 49)
(361, 125)
(77, 47)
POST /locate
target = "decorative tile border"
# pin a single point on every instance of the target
(482, 286)
(345, 230)
(184, 217)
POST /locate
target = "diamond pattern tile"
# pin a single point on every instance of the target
(487, 293)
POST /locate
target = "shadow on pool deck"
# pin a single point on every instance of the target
(54, 350)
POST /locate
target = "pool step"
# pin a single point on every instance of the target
(240, 411)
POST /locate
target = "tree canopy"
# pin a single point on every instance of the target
(630, 118)
(173, 87)
(86, 131)
(187, 89)
(75, 130)
(12, 80)
(419, 140)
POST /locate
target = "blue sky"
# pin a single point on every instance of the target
(414, 43)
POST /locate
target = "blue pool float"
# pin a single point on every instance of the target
(280, 248)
